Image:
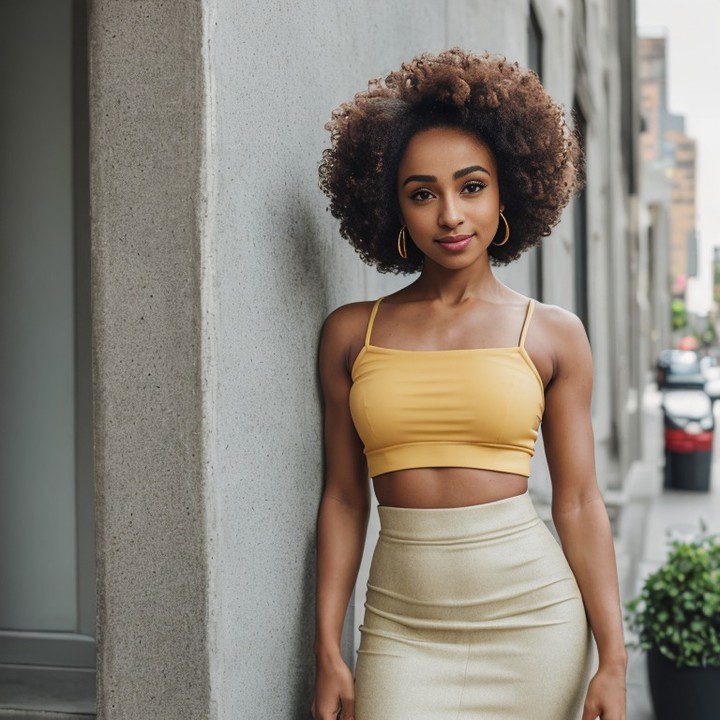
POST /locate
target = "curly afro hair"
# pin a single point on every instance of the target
(539, 157)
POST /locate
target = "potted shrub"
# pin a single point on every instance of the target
(677, 621)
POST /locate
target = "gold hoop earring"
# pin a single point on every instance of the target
(402, 249)
(507, 231)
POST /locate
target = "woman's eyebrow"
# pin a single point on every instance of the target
(456, 175)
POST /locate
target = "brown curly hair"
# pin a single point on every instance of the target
(539, 157)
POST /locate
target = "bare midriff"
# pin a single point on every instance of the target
(444, 487)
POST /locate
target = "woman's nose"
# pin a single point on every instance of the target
(450, 214)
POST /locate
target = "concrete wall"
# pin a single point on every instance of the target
(147, 199)
(215, 265)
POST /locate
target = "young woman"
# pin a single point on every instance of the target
(451, 165)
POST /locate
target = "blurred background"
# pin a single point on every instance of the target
(167, 259)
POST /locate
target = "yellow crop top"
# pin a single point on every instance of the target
(477, 407)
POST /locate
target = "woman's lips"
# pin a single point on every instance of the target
(459, 245)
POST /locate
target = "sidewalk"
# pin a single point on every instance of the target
(650, 512)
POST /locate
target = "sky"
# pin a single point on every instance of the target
(693, 31)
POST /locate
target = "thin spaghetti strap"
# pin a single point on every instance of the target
(528, 315)
(372, 320)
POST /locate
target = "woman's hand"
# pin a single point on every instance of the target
(334, 684)
(606, 696)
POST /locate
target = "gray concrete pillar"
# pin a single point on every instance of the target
(146, 100)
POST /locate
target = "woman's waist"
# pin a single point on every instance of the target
(445, 487)
(458, 524)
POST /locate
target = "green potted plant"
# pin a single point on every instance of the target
(677, 621)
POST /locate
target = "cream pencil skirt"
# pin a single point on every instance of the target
(471, 612)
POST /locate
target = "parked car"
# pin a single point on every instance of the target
(680, 369)
(709, 367)
(661, 366)
(712, 389)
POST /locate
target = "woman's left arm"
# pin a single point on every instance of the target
(578, 509)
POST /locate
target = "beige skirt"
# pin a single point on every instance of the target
(471, 612)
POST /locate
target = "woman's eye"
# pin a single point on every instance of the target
(477, 184)
(416, 195)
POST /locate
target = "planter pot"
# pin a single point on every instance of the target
(688, 471)
(690, 693)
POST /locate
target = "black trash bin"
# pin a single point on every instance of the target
(689, 428)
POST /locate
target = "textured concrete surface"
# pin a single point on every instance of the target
(639, 706)
(70, 691)
(147, 99)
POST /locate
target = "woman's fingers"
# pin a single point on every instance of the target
(348, 706)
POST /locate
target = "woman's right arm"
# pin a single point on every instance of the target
(342, 516)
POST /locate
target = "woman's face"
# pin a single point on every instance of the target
(448, 187)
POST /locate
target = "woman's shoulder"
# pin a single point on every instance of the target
(565, 339)
(348, 313)
(559, 321)
(346, 322)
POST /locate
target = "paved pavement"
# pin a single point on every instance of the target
(651, 514)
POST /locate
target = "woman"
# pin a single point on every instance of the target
(437, 391)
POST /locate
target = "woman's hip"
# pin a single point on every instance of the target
(474, 568)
